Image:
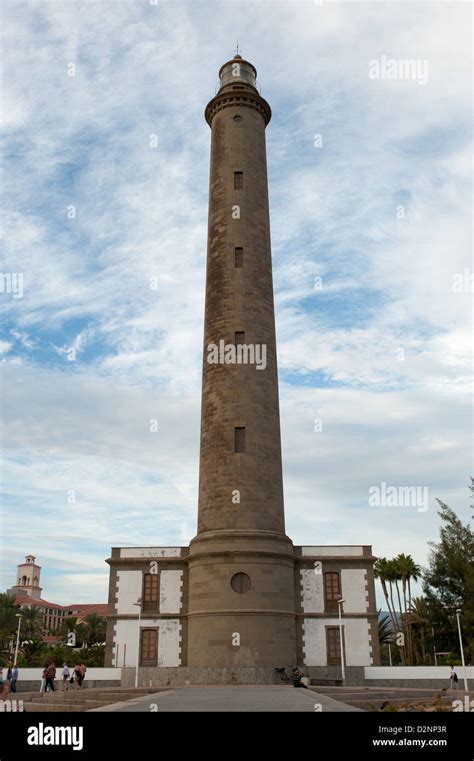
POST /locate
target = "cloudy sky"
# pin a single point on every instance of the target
(105, 189)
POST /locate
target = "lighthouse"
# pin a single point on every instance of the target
(241, 563)
(241, 600)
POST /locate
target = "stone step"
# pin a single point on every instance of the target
(84, 699)
(87, 694)
(381, 695)
(395, 702)
(52, 708)
(66, 707)
(389, 689)
(87, 703)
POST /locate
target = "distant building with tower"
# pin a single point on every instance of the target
(28, 579)
(241, 596)
(27, 593)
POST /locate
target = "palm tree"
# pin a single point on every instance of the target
(385, 630)
(381, 571)
(34, 650)
(32, 623)
(95, 626)
(8, 622)
(81, 633)
(385, 633)
(68, 626)
(414, 573)
(93, 656)
(393, 577)
(396, 576)
(408, 569)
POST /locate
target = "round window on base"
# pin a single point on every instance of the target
(237, 118)
(240, 582)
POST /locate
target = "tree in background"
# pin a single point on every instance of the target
(93, 656)
(32, 622)
(449, 582)
(406, 569)
(429, 622)
(420, 631)
(68, 626)
(386, 637)
(8, 623)
(382, 572)
(95, 627)
(33, 651)
(388, 572)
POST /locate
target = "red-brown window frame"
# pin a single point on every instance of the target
(148, 647)
(333, 645)
(332, 590)
(151, 591)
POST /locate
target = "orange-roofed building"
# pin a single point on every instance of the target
(27, 594)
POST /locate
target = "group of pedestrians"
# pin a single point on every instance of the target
(8, 683)
(76, 677)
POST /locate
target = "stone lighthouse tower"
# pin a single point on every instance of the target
(241, 563)
(240, 600)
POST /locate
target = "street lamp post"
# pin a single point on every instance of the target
(139, 603)
(458, 614)
(18, 616)
(343, 671)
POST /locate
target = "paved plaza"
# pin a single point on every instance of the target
(232, 699)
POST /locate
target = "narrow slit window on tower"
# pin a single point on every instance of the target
(238, 180)
(239, 440)
(239, 337)
(239, 257)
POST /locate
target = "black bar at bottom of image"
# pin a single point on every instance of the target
(90, 735)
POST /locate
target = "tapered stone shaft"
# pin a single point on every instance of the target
(242, 608)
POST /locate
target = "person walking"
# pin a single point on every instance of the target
(453, 679)
(65, 674)
(14, 678)
(9, 674)
(43, 677)
(4, 691)
(50, 673)
(83, 670)
(78, 676)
